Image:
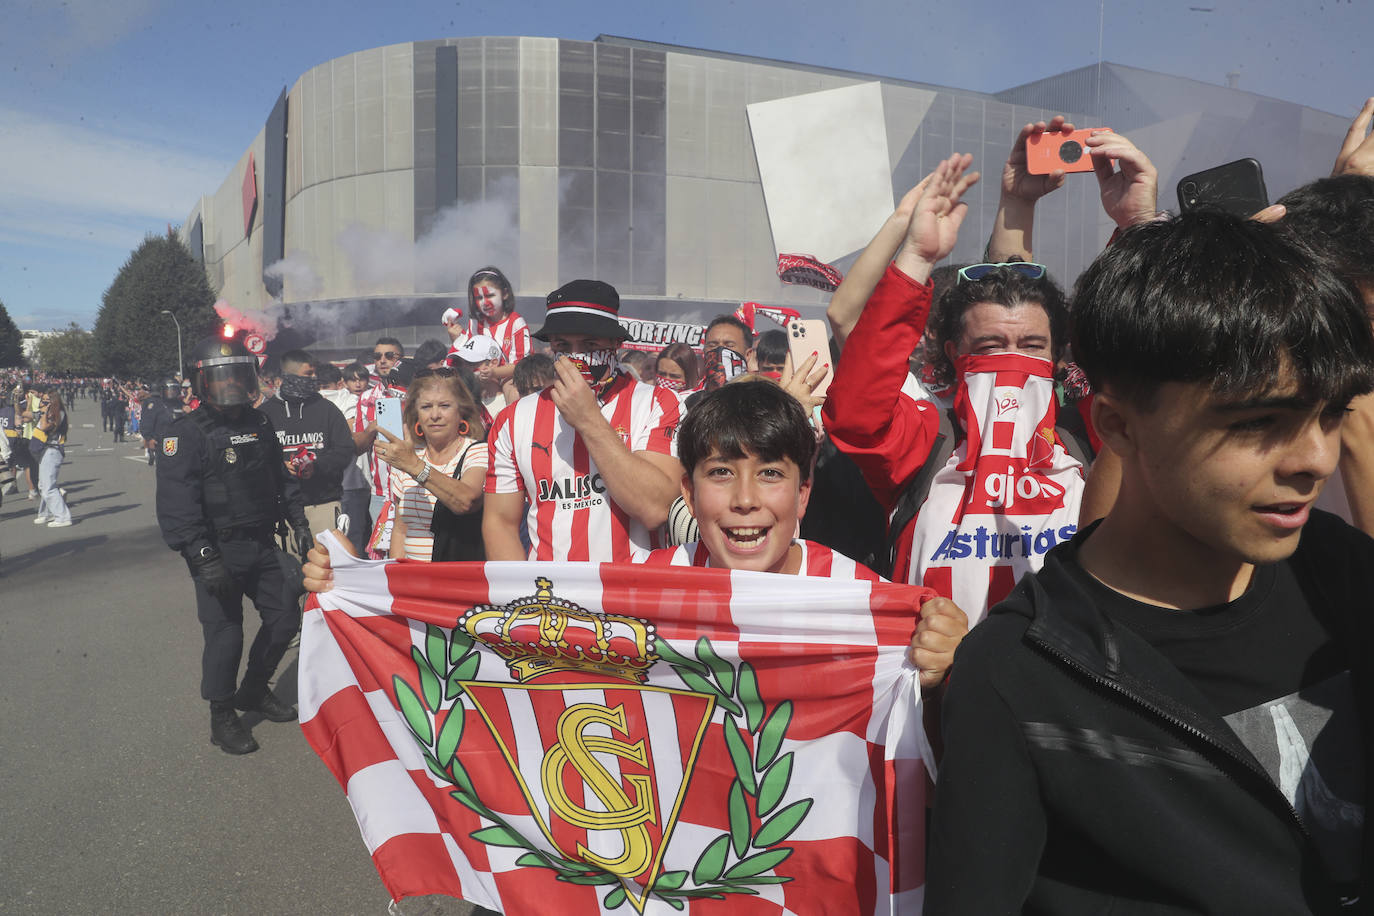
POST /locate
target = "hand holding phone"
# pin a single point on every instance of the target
(806, 336)
(1060, 151)
(390, 417)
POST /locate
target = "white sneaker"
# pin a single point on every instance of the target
(41, 520)
(60, 524)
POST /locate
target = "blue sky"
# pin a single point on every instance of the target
(116, 115)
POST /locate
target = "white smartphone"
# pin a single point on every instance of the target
(390, 416)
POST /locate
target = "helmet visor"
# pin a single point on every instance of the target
(228, 385)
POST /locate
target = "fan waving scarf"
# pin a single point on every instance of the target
(578, 738)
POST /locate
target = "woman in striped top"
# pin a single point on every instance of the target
(446, 427)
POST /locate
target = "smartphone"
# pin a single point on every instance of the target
(805, 335)
(1055, 149)
(389, 416)
(1236, 187)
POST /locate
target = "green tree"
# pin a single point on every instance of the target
(11, 341)
(132, 336)
(69, 350)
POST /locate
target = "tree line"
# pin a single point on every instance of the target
(132, 338)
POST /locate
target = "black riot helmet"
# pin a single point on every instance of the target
(224, 373)
(171, 388)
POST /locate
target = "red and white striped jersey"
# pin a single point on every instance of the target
(510, 332)
(365, 414)
(570, 514)
(818, 560)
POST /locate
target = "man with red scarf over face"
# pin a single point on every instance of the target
(590, 461)
(1010, 490)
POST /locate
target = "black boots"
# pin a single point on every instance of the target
(227, 731)
(265, 703)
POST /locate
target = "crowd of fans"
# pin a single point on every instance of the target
(1253, 335)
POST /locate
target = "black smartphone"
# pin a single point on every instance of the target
(1236, 187)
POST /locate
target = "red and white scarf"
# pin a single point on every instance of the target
(1009, 492)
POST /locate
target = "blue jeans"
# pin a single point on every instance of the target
(51, 506)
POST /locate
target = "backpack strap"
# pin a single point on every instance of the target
(914, 494)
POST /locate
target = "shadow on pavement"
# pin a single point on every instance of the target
(17, 563)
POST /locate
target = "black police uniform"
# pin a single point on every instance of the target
(222, 487)
(158, 414)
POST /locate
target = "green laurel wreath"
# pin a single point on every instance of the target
(761, 776)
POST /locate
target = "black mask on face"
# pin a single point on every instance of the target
(299, 387)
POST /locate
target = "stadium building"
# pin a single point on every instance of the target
(382, 179)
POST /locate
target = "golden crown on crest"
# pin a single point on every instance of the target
(542, 633)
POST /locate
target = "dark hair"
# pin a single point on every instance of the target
(1210, 297)
(355, 370)
(295, 358)
(637, 362)
(431, 351)
(1003, 287)
(533, 373)
(756, 417)
(391, 342)
(771, 348)
(494, 275)
(270, 368)
(736, 322)
(328, 373)
(685, 357)
(1334, 217)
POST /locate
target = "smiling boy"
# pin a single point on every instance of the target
(1172, 715)
(746, 452)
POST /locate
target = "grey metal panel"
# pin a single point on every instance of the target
(445, 126)
(196, 240)
(577, 224)
(501, 115)
(576, 104)
(274, 193)
(424, 63)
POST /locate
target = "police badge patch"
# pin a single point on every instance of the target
(169, 446)
(230, 455)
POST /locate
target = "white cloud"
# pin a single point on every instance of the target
(74, 166)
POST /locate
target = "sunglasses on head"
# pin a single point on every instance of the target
(976, 272)
(389, 354)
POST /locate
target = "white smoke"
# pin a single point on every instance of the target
(462, 238)
(299, 271)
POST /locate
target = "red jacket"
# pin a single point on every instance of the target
(874, 412)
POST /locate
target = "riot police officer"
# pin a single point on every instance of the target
(158, 414)
(222, 490)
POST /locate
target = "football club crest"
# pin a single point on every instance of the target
(169, 446)
(603, 757)
(230, 455)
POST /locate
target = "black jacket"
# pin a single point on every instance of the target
(1082, 775)
(221, 472)
(319, 426)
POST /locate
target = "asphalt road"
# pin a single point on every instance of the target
(112, 798)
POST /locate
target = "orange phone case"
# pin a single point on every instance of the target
(1058, 150)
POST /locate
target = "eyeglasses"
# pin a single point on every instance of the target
(441, 372)
(389, 354)
(976, 272)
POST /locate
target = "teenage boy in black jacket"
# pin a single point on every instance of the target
(1175, 715)
(315, 439)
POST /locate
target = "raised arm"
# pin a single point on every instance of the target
(1357, 152)
(1011, 232)
(847, 302)
(1126, 178)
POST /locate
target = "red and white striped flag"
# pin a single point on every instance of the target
(577, 738)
